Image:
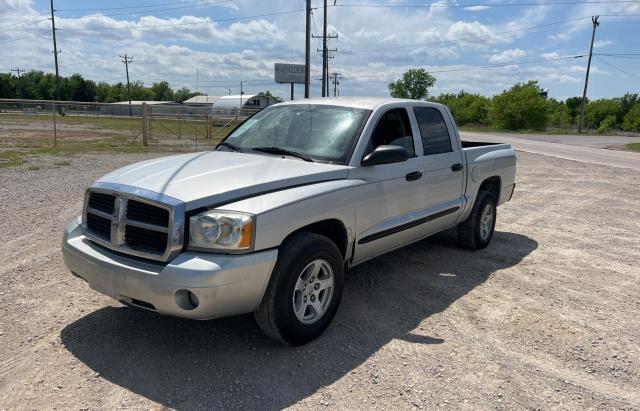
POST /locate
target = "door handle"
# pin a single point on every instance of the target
(416, 175)
(456, 167)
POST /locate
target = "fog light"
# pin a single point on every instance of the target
(186, 300)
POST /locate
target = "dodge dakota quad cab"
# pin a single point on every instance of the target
(269, 221)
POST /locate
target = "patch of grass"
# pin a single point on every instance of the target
(11, 159)
(63, 163)
(634, 147)
(33, 167)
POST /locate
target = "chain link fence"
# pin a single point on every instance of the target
(163, 125)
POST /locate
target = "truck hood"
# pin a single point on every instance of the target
(218, 177)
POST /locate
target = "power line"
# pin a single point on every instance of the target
(183, 24)
(466, 68)
(447, 6)
(18, 25)
(135, 7)
(616, 68)
(208, 3)
(471, 37)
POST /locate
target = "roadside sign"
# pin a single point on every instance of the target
(289, 73)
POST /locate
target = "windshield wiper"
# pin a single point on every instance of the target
(280, 150)
(231, 146)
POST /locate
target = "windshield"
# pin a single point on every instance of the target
(320, 132)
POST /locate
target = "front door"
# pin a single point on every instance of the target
(392, 194)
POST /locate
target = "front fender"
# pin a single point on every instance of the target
(280, 213)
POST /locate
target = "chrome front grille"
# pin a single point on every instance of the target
(134, 221)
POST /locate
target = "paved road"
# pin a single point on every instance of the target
(582, 148)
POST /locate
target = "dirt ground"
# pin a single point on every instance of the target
(547, 317)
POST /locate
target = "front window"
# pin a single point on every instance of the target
(321, 132)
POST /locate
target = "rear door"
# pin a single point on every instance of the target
(391, 194)
(443, 168)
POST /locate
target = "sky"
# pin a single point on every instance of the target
(212, 45)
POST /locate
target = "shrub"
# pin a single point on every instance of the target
(632, 119)
(607, 124)
(599, 110)
(559, 114)
(466, 108)
(520, 107)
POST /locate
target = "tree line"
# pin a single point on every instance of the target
(524, 106)
(38, 85)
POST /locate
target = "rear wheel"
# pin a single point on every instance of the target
(304, 291)
(476, 232)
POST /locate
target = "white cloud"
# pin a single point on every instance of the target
(551, 55)
(477, 8)
(598, 44)
(507, 56)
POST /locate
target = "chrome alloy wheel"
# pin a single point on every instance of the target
(313, 291)
(486, 222)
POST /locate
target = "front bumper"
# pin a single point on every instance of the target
(224, 285)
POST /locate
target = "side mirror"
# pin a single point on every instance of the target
(386, 155)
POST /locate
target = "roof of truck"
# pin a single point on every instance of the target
(370, 103)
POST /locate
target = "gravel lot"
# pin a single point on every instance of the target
(547, 317)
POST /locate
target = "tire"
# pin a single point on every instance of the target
(476, 232)
(282, 314)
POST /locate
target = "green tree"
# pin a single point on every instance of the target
(598, 110)
(573, 104)
(519, 108)
(627, 101)
(7, 86)
(632, 119)
(466, 108)
(607, 124)
(162, 91)
(559, 114)
(183, 94)
(267, 93)
(414, 84)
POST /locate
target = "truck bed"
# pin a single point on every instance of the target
(477, 151)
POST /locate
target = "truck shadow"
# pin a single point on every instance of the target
(228, 363)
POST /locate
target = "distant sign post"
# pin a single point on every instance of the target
(289, 73)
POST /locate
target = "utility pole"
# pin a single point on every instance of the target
(55, 56)
(18, 70)
(325, 64)
(325, 53)
(595, 22)
(241, 93)
(126, 60)
(307, 56)
(335, 82)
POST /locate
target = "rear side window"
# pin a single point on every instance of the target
(433, 129)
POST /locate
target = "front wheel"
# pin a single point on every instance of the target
(476, 232)
(304, 291)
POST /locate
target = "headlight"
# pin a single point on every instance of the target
(218, 230)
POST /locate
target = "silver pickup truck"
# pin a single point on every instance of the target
(269, 221)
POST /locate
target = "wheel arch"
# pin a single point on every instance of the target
(332, 228)
(493, 185)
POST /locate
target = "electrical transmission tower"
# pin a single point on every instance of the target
(126, 60)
